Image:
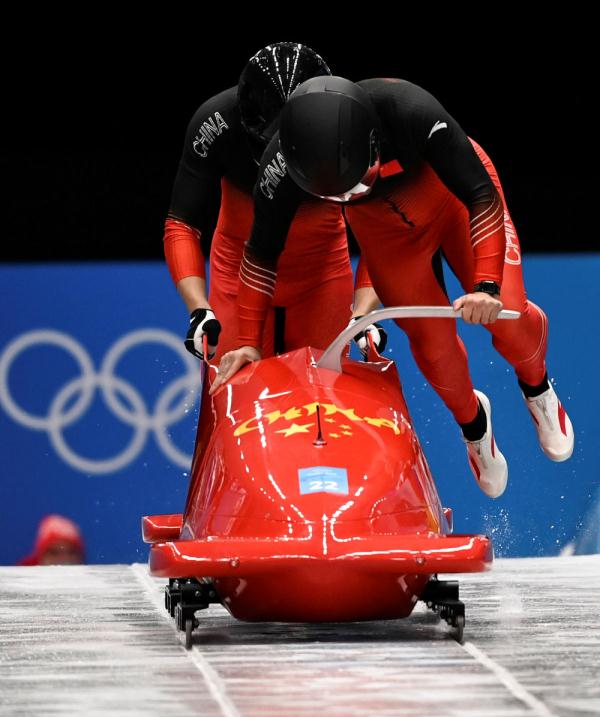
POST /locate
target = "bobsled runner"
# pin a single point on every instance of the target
(311, 500)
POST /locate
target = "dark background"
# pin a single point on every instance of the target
(98, 107)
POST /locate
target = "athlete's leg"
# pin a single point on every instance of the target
(522, 342)
(315, 317)
(434, 343)
(403, 268)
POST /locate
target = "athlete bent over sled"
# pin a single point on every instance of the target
(223, 145)
(414, 183)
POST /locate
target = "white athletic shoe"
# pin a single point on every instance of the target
(554, 429)
(487, 462)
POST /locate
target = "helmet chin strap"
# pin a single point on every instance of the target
(359, 190)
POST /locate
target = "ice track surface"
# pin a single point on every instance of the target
(97, 641)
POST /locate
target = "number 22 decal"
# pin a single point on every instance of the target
(316, 485)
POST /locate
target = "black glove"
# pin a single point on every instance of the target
(202, 321)
(377, 333)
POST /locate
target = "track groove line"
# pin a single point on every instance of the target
(210, 675)
(509, 681)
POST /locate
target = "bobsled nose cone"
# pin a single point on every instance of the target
(485, 458)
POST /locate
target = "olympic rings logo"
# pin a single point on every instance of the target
(113, 390)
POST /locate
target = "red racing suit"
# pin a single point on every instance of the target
(313, 292)
(437, 190)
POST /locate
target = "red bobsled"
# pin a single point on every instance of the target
(311, 500)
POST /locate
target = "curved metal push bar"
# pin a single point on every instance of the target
(332, 358)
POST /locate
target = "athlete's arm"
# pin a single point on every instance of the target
(185, 261)
(196, 193)
(448, 150)
(365, 301)
(365, 298)
(276, 199)
(446, 147)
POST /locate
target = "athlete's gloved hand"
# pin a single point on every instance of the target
(202, 321)
(377, 333)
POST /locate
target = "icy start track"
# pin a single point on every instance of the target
(97, 641)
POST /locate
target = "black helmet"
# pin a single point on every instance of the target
(268, 80)
(329, 137)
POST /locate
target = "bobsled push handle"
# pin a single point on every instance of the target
(332, 358)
